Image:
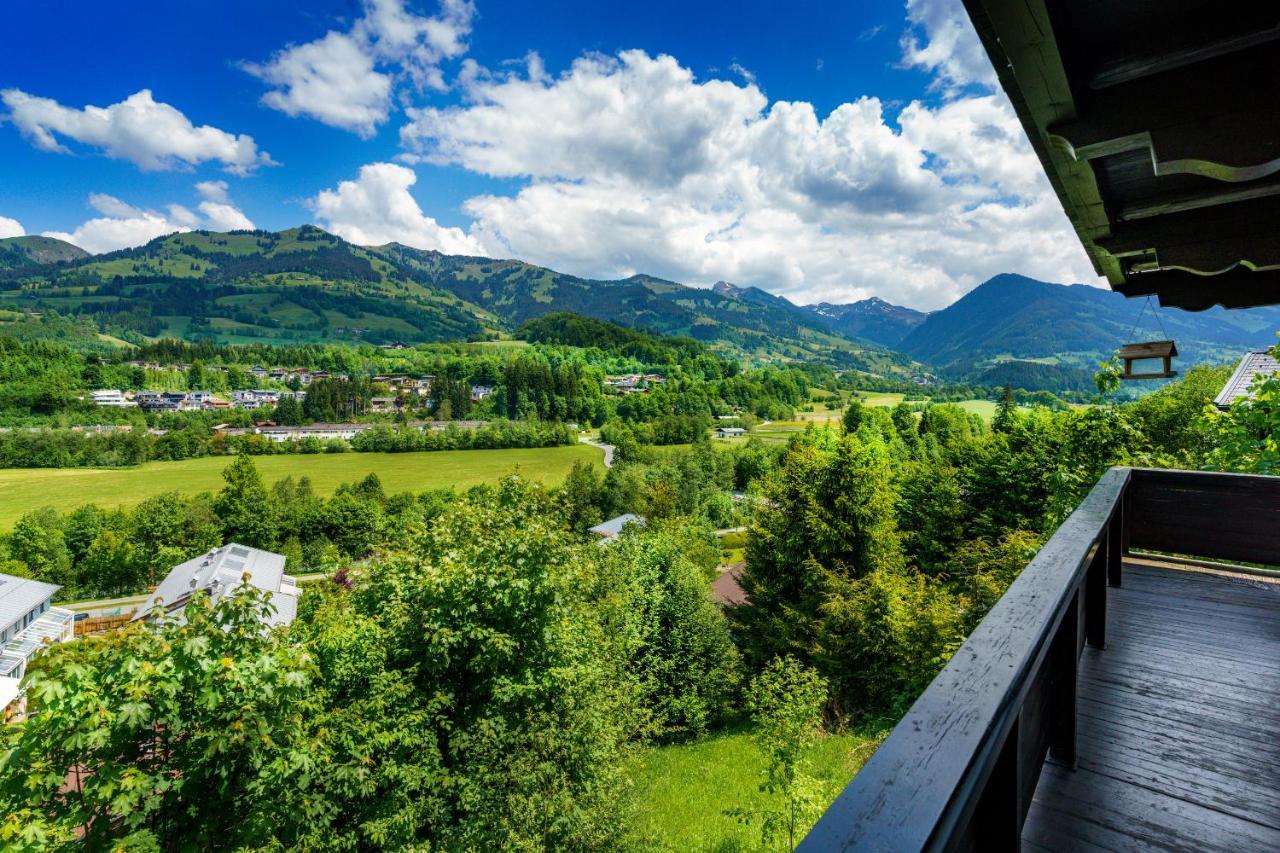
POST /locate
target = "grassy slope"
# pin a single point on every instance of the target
(682, 791)
(24, 489)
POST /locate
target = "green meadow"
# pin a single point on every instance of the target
(25, 489)
(682, 791)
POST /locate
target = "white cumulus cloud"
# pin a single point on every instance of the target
(10, 228)
(942, 40)
(152, 135)
(347, 79)
(377, 208)
(629, 164)
(219, 212)
(124, 225)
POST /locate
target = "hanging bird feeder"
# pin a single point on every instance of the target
(1151, 360)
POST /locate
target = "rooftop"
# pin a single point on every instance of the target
(1251, 366)
(223, 569)
(613, 526)
(19, 595)
(1155, 124)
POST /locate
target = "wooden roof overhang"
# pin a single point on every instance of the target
(1158, 125)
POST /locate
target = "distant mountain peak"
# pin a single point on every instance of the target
(871, 319)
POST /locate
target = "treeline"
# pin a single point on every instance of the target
(879, 547)
(66, 448)
(575, 330)
(93, 552)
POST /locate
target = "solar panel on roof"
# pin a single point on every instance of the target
(234, 565)
(240, 552)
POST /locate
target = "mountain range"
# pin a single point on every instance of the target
(304, 284)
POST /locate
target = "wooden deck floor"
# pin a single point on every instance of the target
(1179, 726)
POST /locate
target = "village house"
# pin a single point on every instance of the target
(730, 432)
(112, 398)
(1252, 367)
(219, 572)
(255, 398)
(324, 432)
(479, 392)
(610, 530)
(28, 622)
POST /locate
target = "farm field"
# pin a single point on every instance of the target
(984, 408)
(25, 489)
(682, 790)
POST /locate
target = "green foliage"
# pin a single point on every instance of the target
(883, 637)
(1246, 437)
(487, 621)
(676, 639)
(786, 701)
(828, 517)
(150, 735)
(1172, 418)
(246, 512)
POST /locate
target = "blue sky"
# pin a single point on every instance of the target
(822, 150)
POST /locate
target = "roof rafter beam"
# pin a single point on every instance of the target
(1217, 119)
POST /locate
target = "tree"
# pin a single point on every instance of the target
(169, 529)
(475, 669)
(37, 540)
(580, 496)
(677, 648)
(196, 376)
(828, 514)
(1006, 410)
(288, 411)
(786, 701)
(152, 735)
(247, 516)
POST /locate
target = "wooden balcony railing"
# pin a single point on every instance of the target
(959, 771)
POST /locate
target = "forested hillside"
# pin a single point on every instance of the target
(1057, 334)
(31, 250)
(306, 285)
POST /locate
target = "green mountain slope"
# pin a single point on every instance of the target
(32, 250)
(1067, 329)
(304, 284)
(296, 285)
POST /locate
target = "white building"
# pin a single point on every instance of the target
(219, 572)
(610, 530)
(111, 397)
(730, 432)
(323, 432)
(28, 622)
(255, 398)
(479, 392)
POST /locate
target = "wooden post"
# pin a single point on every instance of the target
(997, 822)
(1063, 679)
(1118, 540)
(1095, 592)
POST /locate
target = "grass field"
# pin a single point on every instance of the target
(985, 408)
(682, 791)
(25, 489)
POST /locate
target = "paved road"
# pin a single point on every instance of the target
(607, 448)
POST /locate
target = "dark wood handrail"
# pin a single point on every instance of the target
(959, 770)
